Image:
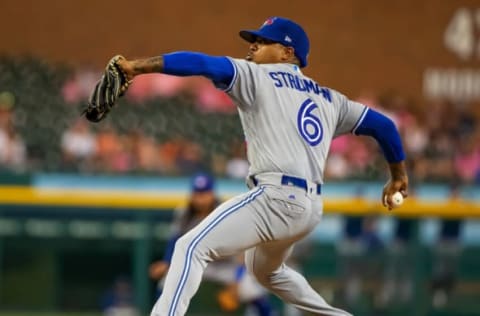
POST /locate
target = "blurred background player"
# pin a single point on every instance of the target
(240, 287)
(119, 300)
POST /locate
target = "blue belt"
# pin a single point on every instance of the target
(296, 182)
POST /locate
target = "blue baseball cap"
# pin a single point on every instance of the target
(283, 31)
(202, 182)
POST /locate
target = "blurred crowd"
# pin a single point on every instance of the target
(108, 150)
(158, 133)
(441, 140)
(13, 151)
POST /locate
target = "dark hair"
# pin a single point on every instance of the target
(190, 214)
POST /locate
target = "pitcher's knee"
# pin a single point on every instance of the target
(187, 245)
(263, 277)
(182, 244)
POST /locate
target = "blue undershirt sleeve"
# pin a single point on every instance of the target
(219, 69)
(384, 131)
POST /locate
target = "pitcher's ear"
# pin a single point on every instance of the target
(289, 53)
(290, 50)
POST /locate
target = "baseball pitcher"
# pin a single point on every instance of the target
(289, 121)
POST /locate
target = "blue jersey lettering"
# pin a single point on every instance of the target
(284, 79)
(326, 94)
(291, 80)
(285, 82)
(309, 85)
(278, 83)
(299, 84)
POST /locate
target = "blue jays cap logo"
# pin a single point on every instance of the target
(202, 182)
(269, 21)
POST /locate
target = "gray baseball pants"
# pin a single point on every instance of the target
(265, 223)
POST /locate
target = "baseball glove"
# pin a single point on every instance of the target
(113, 84)
(228, 300)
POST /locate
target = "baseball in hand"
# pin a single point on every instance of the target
(397, 199)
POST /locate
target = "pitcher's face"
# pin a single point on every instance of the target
(264, 51)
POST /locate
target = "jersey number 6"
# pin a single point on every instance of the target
(308, 124)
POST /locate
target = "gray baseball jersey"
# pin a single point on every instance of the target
(288, 119)
(289, 122)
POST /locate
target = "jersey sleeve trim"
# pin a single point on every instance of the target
(234, 78)
(360, 120)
